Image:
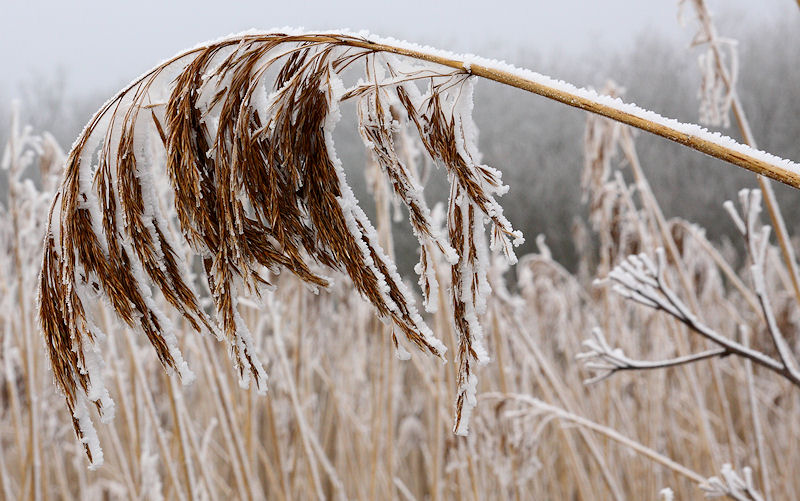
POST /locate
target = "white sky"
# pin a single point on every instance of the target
(102, 44)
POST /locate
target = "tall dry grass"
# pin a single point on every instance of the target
(343, 417)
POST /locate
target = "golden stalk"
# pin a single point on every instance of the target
(716, 150)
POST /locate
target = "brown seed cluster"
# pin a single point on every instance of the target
(257, 188)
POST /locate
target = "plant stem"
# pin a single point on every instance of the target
(770, 201)
(714, 149)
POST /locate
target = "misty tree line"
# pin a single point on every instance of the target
(538, 143)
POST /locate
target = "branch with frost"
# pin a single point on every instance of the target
(640, 280)
(731, 484)
(546, 413)
(728, 483)
(690, 135)
(258, 187)
(601, 358)
(757, 243)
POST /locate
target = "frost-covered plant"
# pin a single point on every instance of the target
(242, 131)
(258, 188)
(640, 280)
(719, 96)
(732, 485)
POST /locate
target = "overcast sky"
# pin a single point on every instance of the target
(102, 44)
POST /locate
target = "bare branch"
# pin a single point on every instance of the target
(757, 242)
(639, 279)
(604, 359)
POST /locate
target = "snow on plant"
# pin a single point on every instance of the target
(732, 485)
(719, 67)
(258, 188)
(242, 128)
(640, 280)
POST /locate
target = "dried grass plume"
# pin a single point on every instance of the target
(242, 129)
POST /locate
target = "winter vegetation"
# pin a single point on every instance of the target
(226, 314)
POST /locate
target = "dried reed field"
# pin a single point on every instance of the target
(196, 280)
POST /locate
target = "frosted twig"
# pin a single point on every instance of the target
(604, 359)
(639, 279)
(757, 242)
(730, 484)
